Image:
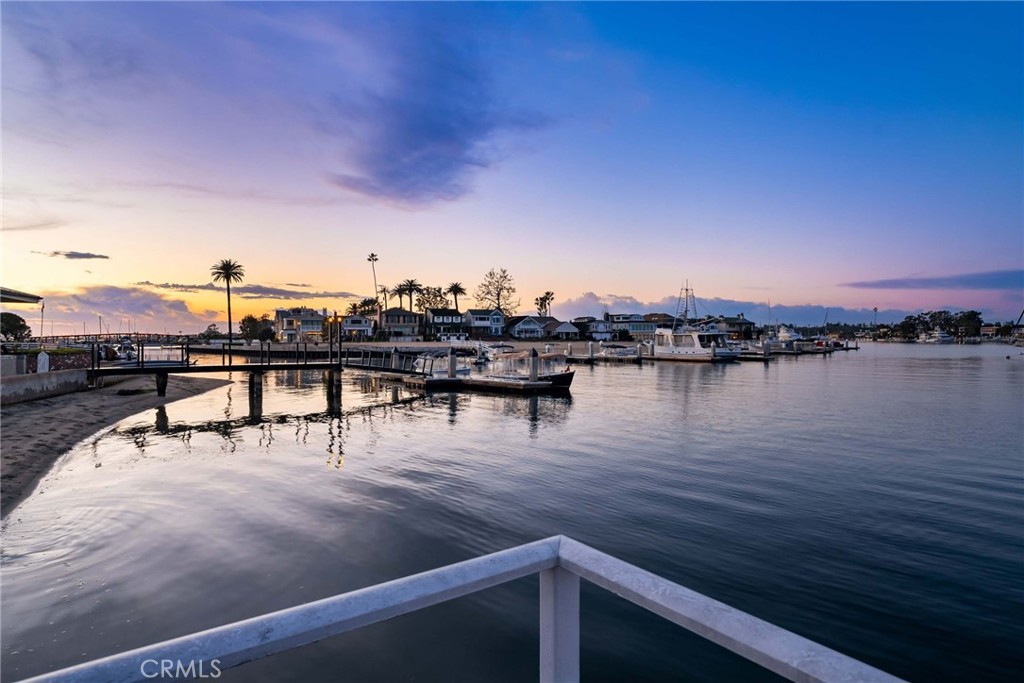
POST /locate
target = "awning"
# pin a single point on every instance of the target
(13, 296)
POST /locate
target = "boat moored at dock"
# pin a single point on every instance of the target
(705, 344)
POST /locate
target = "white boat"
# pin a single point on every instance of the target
(787, 334)
(703, 343)
(126, 350)
(936, 337)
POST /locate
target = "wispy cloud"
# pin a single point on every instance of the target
(253, 195)
(73, 255)
(296, 284)
(33, 225)
(251, 291)
(996, 280)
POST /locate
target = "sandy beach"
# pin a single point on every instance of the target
(34, 434)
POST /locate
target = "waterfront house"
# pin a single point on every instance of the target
(445, 324)
(356, 327)
(632, 324)
(736, 327)
(525, 327)
(557, 329)
(594, 328)
(664, 320)
(400, 323)
(299, 324)
(483, 322)
(540, 327)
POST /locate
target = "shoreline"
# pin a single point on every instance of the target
(34, 434)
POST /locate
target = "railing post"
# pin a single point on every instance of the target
(559, 626)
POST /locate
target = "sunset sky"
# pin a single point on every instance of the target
(814, 155)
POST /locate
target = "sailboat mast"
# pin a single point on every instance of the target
(679, 301)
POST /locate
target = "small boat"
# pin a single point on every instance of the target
(126, 350)
(557, 379)
(436, 363)
(936, 337)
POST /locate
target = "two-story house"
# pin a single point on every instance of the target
(299, 324)
(736, 327)
(357, 327)
(632, 324)
(482, 322)
(398, 322)
(594, 328)
(445, 324)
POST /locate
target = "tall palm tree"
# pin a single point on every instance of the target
(456, 290)
(228, 271)
(372, 258)
(412, 287)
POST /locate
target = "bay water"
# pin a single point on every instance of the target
(870, 500)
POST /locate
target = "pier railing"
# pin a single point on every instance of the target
(296, 355)
(561, 563)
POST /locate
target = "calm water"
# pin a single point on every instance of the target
(871, 501)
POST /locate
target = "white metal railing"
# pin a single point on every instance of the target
(561, 563)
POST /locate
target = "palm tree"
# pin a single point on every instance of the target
(383, 289)
(372, 258)
(412, 287)
(399, 291)
(228, 271)
(456, 290)
(353, 309)
(544, 302)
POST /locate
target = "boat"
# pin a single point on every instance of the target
(936, 337)
(486, 353)
(787, 334)
(126, 350)
(435, 363)
(703, 343)
(562, 379)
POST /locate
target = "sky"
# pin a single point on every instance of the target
(789, 161)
